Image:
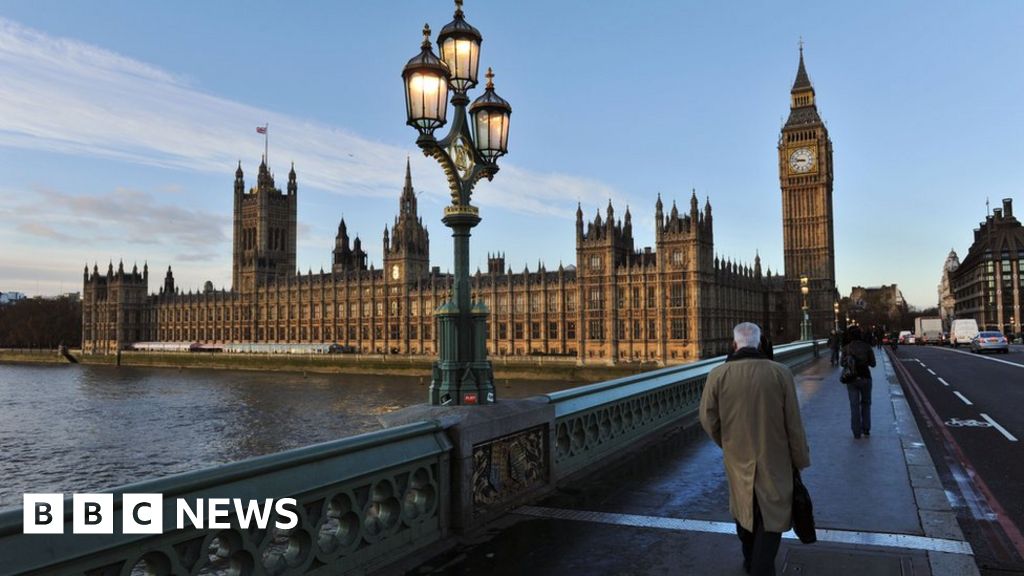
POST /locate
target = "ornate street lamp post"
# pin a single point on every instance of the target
(805, 326)
(462, 373)
(835, 315)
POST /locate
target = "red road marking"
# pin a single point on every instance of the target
(1009, 528)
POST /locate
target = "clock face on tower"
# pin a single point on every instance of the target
(395, 272)
(801, 160)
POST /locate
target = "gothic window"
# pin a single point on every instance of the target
(676, 295)
(378, 332)
(536, 301)
(426, 331)
(519, 304)
(502, 330)
(394, 332)
(379, 308)
(636, 303)
(652, 330)
(677, 258)
(552, 330)
(650, 297)
(553, 302)
(412, 332)
(517, 332)
(677, 329)
(620, 297)
(394, 308)
(595, 262)
(594, 300)
(596, 330)
(570, 302)
(415, 308)
(366, 309)
(637, 334)
(503, 304)
(620, 330)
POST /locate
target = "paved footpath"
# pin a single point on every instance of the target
(879, 505)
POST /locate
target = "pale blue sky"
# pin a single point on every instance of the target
(121, 124)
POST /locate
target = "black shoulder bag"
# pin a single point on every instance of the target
(803, 511)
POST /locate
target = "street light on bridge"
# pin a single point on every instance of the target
(835, 315)
(805, 325)
(469, 152)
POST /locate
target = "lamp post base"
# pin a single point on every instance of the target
(462, 383)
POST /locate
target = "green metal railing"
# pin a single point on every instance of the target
(595, 421)
(361, 501)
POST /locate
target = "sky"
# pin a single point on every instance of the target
(122, 123)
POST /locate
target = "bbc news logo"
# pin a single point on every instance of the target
(144, 513)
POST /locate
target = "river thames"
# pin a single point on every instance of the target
(90, 428)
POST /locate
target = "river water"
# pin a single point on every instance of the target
(74, 428)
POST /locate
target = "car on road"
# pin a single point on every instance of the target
(989, 341)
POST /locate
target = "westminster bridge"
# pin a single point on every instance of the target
(590, 479)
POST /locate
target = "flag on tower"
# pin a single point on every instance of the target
(261, 129)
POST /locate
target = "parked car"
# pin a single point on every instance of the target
(904, 336)
(989, 341)
(339, 349)
(962, 331)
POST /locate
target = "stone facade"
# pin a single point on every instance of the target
(947, 301)
(988, 284)
(673, 302)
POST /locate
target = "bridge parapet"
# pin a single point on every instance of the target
(368, 501)
(361, 500)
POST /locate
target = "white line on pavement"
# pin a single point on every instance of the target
(944, 383)
(996, 425)
(686, 525)
(966, 401)
(932, 372)
(1007, 362)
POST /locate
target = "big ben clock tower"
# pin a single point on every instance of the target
(805, 176)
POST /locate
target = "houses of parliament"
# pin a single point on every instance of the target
(674, 302)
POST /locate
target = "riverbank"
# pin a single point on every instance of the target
(505, 368)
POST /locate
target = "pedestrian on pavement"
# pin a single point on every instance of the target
(834, 346)
(859, 355)
(766, 347)
(749, 408)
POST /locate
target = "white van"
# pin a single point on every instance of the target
(962, 331)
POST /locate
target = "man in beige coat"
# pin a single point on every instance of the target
(749, 408)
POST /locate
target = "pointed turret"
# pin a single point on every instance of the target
(802, 82)
(693, 203)
(293, 186)
(579, 221)
(408, 200)
(239, 180)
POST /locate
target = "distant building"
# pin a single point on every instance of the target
(988, 283)
(947, 301)
(10, 297)
(674, 302)
(879, 305)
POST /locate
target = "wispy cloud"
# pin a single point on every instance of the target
(61, 95)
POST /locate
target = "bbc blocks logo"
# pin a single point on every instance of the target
(144, 513)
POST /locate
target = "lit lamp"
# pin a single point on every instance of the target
(426, 89)
(469, 152)
(490, 114)
(835, 315)
(805, 326)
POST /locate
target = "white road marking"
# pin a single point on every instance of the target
(944, 383)
(1002, 430)
(962, 397)
(932, 372)
(983, 357)
(855, 538)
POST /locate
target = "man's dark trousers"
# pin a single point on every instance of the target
(860, 406)
(759, 547)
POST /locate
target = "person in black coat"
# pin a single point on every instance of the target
(859, 355)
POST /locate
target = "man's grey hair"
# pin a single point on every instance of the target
(747, 335)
